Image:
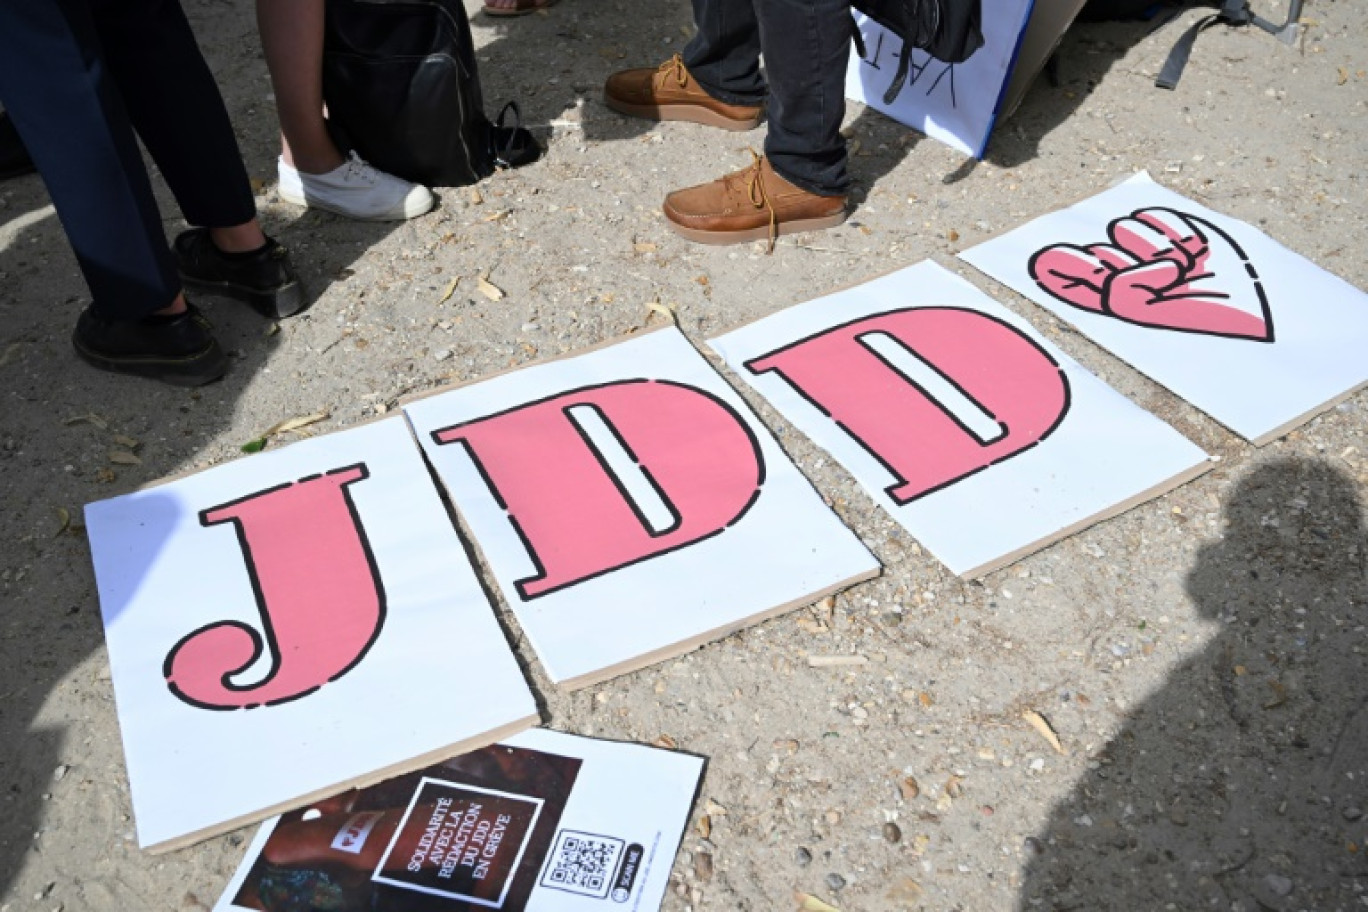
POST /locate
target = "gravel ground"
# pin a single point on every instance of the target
(1200, 657)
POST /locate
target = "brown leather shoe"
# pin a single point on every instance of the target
(750, 205)
(668, 92)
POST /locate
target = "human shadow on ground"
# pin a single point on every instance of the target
(1086, 54)
(1242, 785)
(58, 425)
(59, 420)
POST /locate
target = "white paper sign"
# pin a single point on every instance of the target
(631, 506)
(543, 822)
(1252, 334)
(981, 438)
(283, 626)
(956, 104)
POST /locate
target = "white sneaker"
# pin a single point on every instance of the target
(355, 189)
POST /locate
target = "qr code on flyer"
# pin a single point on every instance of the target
(583, 863)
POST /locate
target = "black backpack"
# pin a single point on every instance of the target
(1228, 12)
(949, 30)
(402, 89)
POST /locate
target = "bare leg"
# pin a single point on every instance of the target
(292, 37)
(511, 7)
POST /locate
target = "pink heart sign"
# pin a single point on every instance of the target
(1163, 269)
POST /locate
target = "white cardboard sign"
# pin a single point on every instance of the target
(631, 506)
(1249, 332)
(956, 104)
(542, 822)
(981, 438)
(290, 625)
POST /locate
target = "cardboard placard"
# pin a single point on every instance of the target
(543, 822)
(1256, 336)
(977, 435)
(631, 506)
(292, 624)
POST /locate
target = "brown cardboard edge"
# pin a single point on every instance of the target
(1038, 43)
(522, 645)
(398, 769)
(538, 362)
(1008, 229)
(849, 286)
(1288, 426)
(1125, 506)
(663, 653)
(710, 636)
(187, 473)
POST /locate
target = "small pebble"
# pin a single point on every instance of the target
(1278, 884)
(835, 882)
(1033, 846)
(891, 832)
(802, 856)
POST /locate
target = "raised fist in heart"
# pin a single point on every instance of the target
(1165, 269)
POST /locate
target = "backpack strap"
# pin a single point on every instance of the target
(900, 76)
(1178, 57)
(1231, 12)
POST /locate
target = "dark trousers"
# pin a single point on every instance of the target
(78, 77)
(806, 44)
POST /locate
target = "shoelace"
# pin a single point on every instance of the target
(674, 67)
(358, 167)
(755, 191)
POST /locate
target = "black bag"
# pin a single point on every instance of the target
(402, 89)
(949, 30)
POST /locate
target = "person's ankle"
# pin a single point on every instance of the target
(245, 238)
(316, 163)
(174, 309)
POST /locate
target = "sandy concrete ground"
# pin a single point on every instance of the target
(1201, 657)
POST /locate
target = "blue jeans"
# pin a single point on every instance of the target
(805, 44)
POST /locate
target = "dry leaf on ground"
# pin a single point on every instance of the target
(1040, 724)
(490, 290)
(448, 292)
(809, 903)
(88, 419)
(294, 424)
(667, 311)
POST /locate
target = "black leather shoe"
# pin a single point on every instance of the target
(264, 278)
(179, 350)
(14, 158)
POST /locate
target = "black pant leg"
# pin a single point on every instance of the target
(176, 108)
(724, 55)
(806, 44)
(58, 92)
